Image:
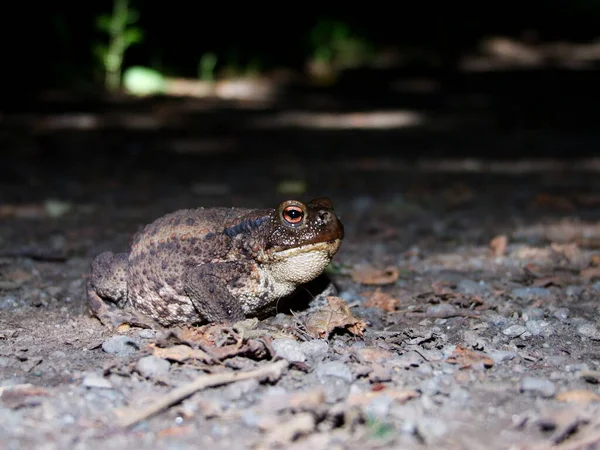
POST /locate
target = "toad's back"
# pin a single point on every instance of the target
(162, 251)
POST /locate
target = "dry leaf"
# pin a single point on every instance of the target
(382, 300)
(180, 353)
(336, 316)
(373, 276)
(578, 396)
(595, 260)
(590, 273)
(498, 245)
(468, 358)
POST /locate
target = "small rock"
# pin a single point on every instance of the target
(120, 345)
(532, 293)
(289, 349)
(335, 369)
(470, 287)
(152, 367)
(496, 319)
(379, 407)
(539, 327)
(596, 286)
(4, 361)
(533, 314)
(443, 309)
(145, 333)
(587, 330)
(514, 330)
(315, 349)
(574, 290)
(430, 386)
(379, 374)
(460, 397)
(241, 389)
(500, 356)
(561, 314)
(538, 386)
(408, 359)
(94, 380)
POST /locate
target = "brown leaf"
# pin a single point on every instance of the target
(373, 276)
(498, 245)
(336, 316)
(590, 273)
(180, 353)
(578, 396)
(466, 358)
(382, 300)
(595, 260)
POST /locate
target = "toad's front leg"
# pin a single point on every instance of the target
(207, 287)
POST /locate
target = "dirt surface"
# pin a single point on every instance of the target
(460, 312)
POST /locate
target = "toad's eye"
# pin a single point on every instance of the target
(293, 215)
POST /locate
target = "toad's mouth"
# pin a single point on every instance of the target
(329, 247)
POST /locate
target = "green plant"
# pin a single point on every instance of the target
(206, 67)
(333, 43)
(121, 35)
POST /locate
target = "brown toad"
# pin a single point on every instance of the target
(215, 264)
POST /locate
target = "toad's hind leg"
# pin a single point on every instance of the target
(206, 286)
(107, 292)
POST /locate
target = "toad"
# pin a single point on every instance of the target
(214, 264)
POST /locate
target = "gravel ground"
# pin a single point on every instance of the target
(461, 311)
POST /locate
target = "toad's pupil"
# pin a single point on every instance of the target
(293, 214)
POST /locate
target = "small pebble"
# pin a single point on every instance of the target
(561, 314)
(442, 309)
(496, 319)
(289, 349)
(379, 407)
(596, 286)
(334, 369)
(533, 314)
(514, 330)
(241, 389)
(430, 386)
(500, 356)
(94, 380)
(152, 366)
(538, 386)
(315, 349)
(539, 327)
(470, 287)
(587, 330)
(532, 293)
(145, 333)
(120, 345)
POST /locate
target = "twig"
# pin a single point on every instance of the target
(131, 415)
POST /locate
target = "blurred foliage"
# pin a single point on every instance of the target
(206, 67)
(121, 35)
(139, 80)
(182, 43)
